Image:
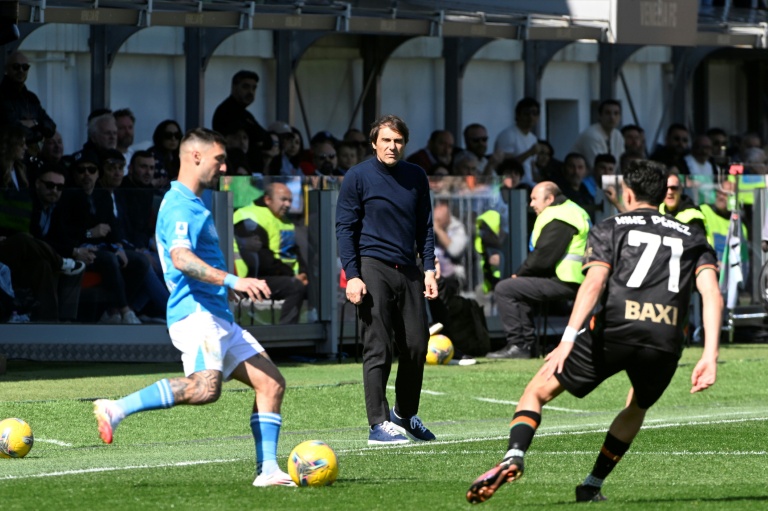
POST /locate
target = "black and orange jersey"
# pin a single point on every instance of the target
(653, 260)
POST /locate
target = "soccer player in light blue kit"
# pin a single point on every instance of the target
(200, 324)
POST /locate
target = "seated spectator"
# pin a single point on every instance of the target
(165, 147)
(102, 135)
(278, 259)
(719, 139)
(699, 162)
(604, 165)
(476, 142)
(718, 217)
(13, 147)
(291, 146)
(439, 149)
(125, 122)
(237, 163)
(307, 158)
(512, 173)
(269, 152)
(53, 279)
(52, 150)
(325, 159)
(357, 138)
(347, 156)
(545, 166)
(92, 222)
(152, 297)
(680, 206)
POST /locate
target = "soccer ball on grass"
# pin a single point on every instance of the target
(439, 350)
(313, 463)
(15, 438)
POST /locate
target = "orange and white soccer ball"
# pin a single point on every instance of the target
(15, 438)
(439, 350)
(313, 463)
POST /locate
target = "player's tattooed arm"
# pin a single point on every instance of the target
(200, 388)
(192, 266)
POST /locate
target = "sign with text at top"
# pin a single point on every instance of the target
(657, 22)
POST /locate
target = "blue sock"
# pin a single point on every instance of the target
(158, 395)
(266, 430)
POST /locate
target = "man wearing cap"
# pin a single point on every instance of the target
(233, 112)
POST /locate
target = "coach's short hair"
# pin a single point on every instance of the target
(392, 122)
(647, 179)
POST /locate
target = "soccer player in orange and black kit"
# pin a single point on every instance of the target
(640, 267)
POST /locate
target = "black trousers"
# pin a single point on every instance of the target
(290, 289)
(392, 310)
(515, 299)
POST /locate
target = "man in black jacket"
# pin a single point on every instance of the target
(232, 112)
(19, 105)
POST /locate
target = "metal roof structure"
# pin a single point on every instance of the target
(552, 20)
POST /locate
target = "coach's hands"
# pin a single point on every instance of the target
(356, 290)
(255, 289)
(555, 360)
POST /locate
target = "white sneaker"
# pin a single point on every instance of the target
(108, 416)
(129, 318)
(464, 360)
(71, 266)
(111, 319)
(276, 478)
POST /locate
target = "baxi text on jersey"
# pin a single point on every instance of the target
(672, 224)
(655, 312)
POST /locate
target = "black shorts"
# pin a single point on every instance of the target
(593, 361)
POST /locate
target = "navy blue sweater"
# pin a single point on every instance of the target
(385, 213)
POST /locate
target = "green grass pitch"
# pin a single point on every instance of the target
(705, 451)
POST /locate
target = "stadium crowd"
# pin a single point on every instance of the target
(77, 231)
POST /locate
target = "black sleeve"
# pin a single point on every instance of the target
(269, 265)
(550, 248)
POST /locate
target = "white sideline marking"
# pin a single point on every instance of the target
(52, 441)
(423, 391)
(503, 402)
(361, 451)
(114, 469)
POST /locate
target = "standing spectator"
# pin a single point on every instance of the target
(634, 142)
(439, 149)
(165, 148)
(603, 137)
(552, 271)
(519, 141)
(19, 105)
(125, 121)
(618, 338)
(279, 261)
(699, 162)
(676, 146)
(383, 212)
(199, 320)
(233, 111)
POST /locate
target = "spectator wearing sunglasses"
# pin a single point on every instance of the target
(166, 140)
(360, 141)
(92, 222)
(19, 105)
(680, 206)
(476, 142)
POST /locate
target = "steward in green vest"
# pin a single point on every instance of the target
(718, 218)
(680, 207)
(551, 272)
(488, 239)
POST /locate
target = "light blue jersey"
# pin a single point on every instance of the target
(184, 222)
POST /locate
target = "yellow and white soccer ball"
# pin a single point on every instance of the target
(313, 463)
(439, 350)
(15, 438)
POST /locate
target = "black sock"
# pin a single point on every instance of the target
(521, 430)
(610, 454)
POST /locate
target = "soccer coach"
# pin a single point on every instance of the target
(383, 212)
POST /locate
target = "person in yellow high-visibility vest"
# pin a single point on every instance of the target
(268, 231)
(552, 271)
